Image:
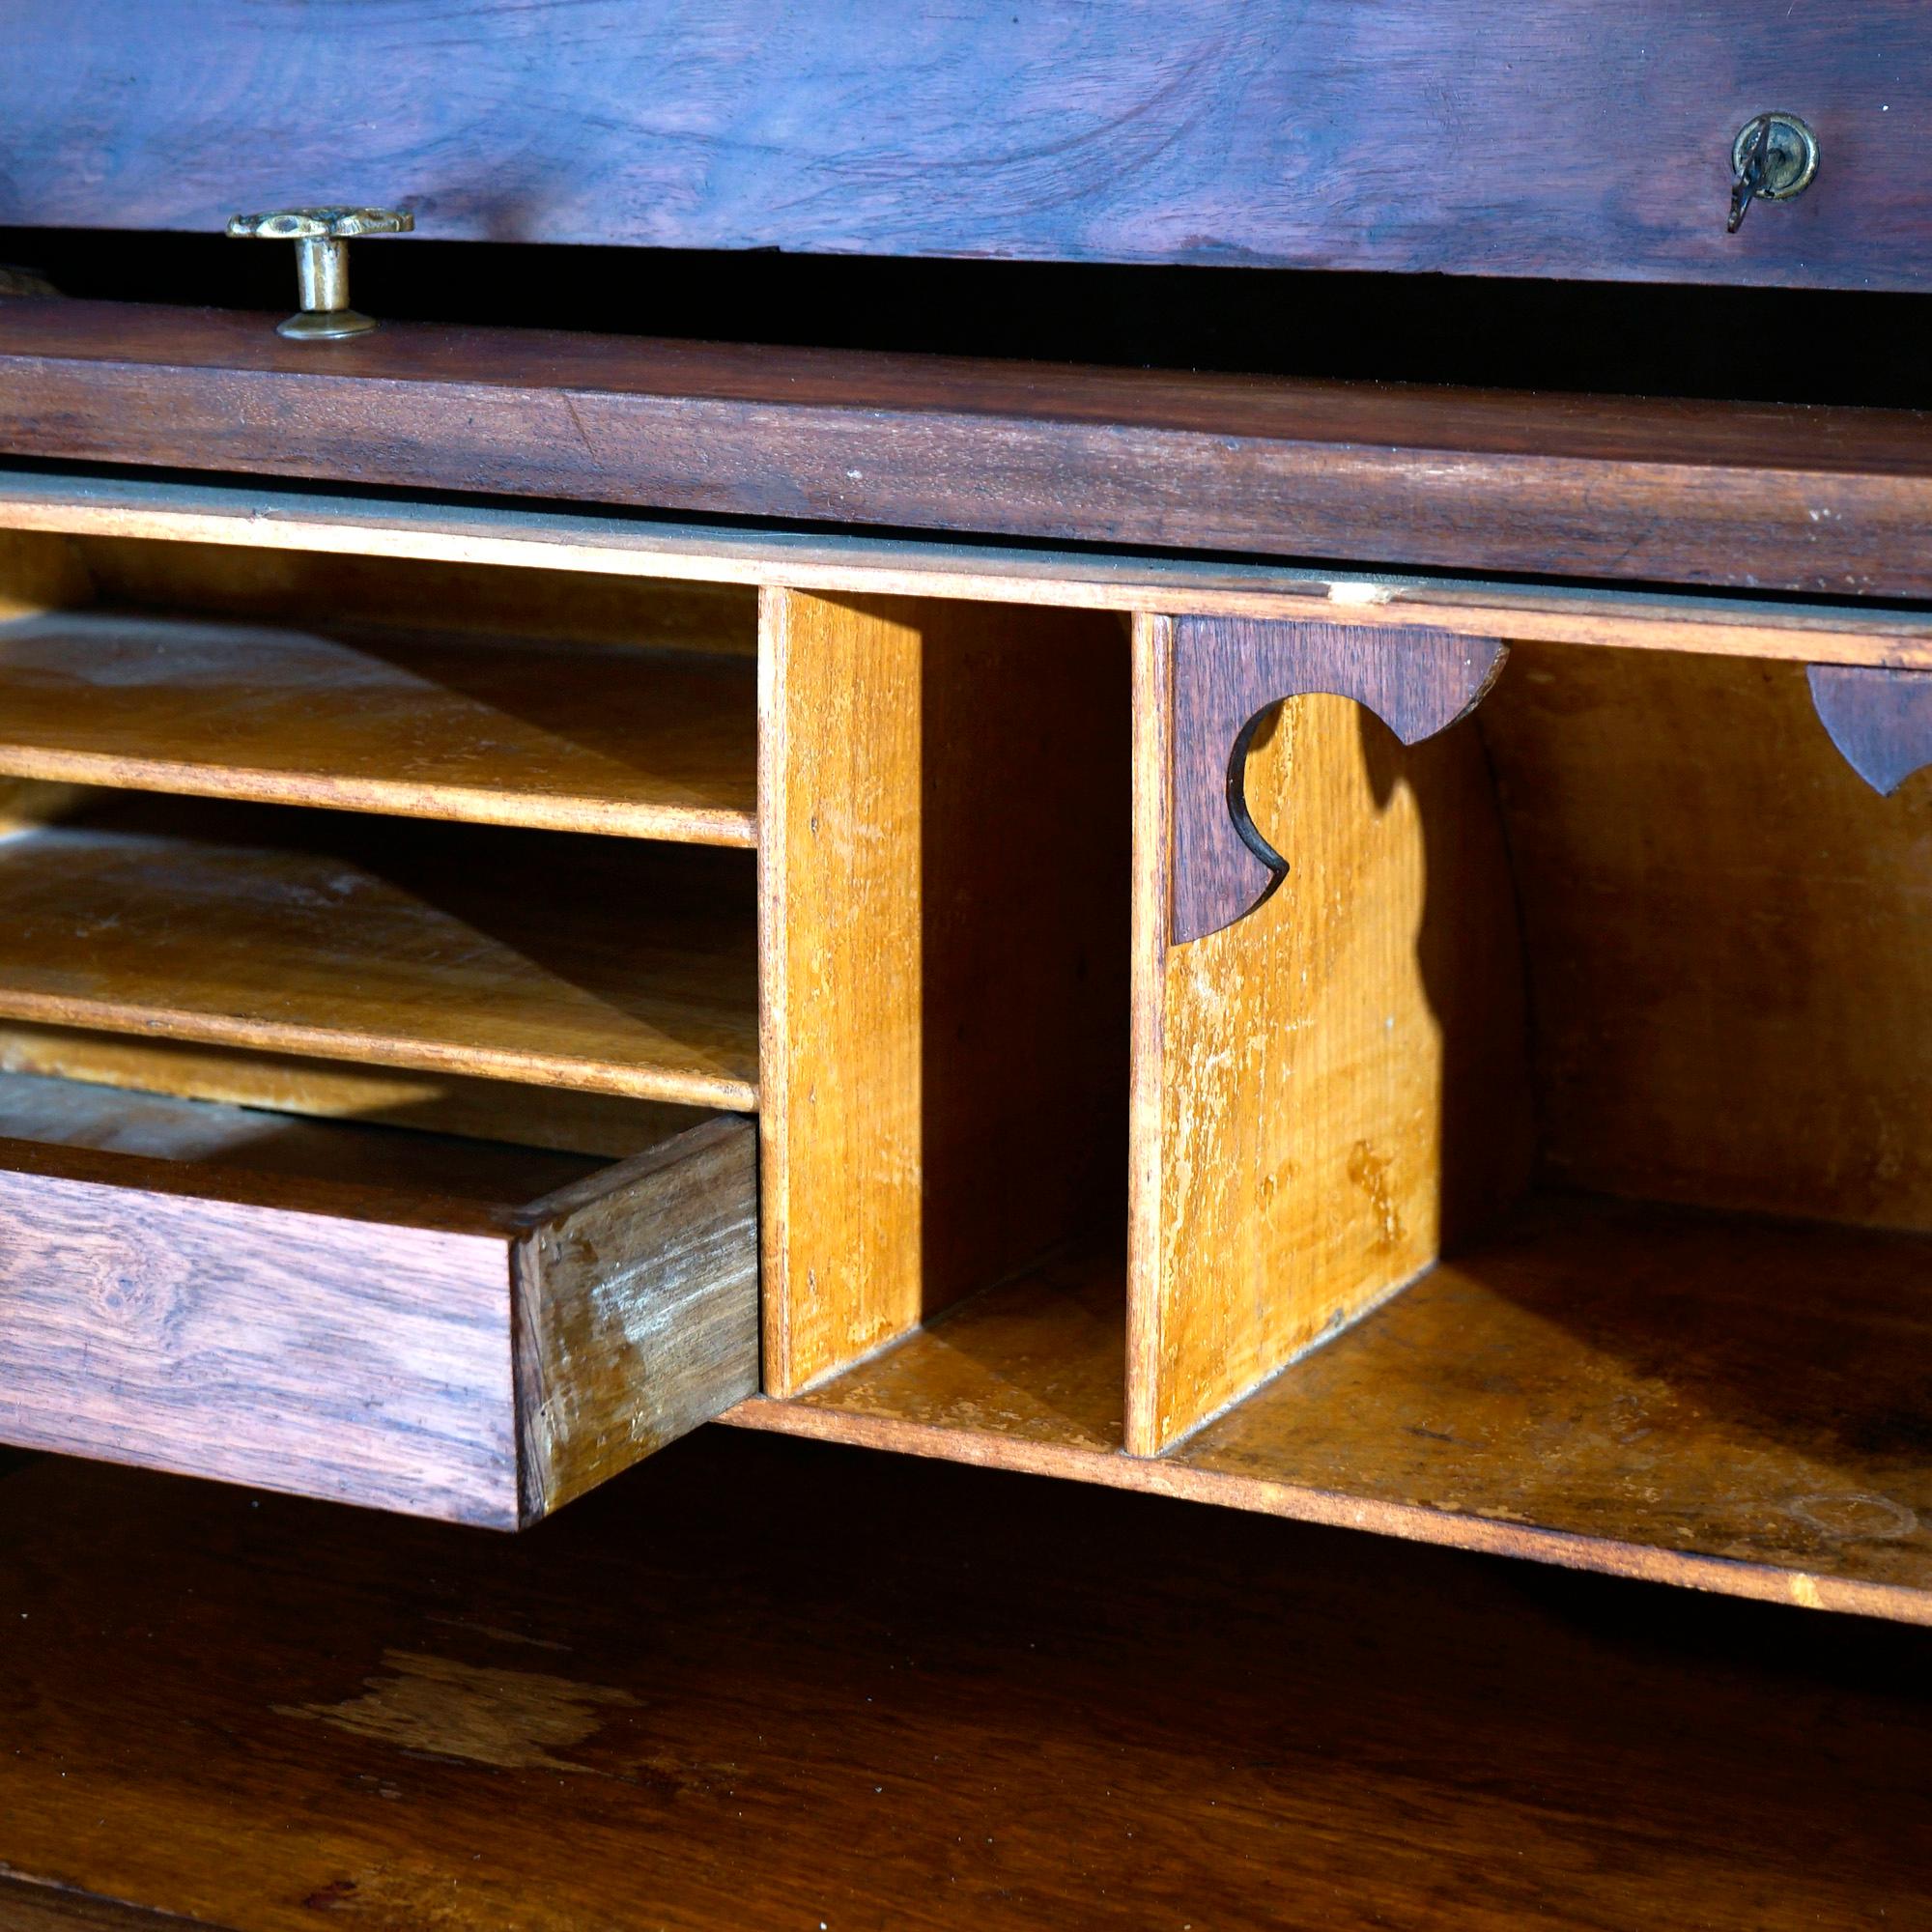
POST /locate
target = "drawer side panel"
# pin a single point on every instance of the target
(356, 1362)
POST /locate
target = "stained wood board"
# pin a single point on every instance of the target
(761, 1683)
(644, 744)
(447, 1328)
(1550, 485)
(609, 966)
(1219, 134)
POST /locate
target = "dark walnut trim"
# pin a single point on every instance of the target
(1748, 495)
(1227, 673)
(1880, 719)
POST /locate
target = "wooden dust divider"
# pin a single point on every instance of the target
(1321, 1096)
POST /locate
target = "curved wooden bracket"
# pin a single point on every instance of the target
(1881, 719)
(1227, 673)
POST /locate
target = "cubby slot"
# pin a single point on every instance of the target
(945, 906)
(441, 1326)
(494, 696)
(607, 966)
(1591, 1099)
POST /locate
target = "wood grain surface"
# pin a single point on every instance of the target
(636, 1309)
(363, 1314)
(709, 1697)
(584, 563)
(1226, 673)
(1722, 1403)
(159, 1329)
(1328, 1090)
(944, 886)
(644, 744)
(611, 966)
(435, 1103)
(1757, 496)
(1289, 132)
(1727, 937)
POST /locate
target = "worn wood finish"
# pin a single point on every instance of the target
(1727, 937)
(306, 539)
(944, 894)
(436, 1104)
(1226, 675)
(324, 1309)
(1720, 1402)
(1328, 1090)
(702, 1698)
(647, 744)
(27, 1907)
(334, 1155)
(1880, 720)
(1757, 496)
(1273, 134)
(398, 944)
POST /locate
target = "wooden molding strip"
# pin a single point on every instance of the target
(1881, 719)
(1594, 487)
(274, 515)
(1227, 673)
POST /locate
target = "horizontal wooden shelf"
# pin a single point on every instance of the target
(604, 965)
(1729, 1401)
(653, 744)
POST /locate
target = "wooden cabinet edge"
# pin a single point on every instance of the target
(1152, 667)
(635, 1311)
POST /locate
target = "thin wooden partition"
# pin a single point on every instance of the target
(1325, 1086)
(943, 852)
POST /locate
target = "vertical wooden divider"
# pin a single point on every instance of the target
(944, 890)
(1327, 1088)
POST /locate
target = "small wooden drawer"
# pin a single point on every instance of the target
(450, 1328)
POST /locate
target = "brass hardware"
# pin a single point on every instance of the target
(1774, 157)
(321, 236)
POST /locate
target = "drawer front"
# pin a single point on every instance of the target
(1530, 137)
(407, 1352)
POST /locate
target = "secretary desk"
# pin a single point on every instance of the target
(1178, 748)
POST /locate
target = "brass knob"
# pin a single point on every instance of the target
(321, 236)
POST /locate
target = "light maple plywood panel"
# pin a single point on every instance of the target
(647, 744)
(1729, 936)
(1328, 1089)
(943, 854)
